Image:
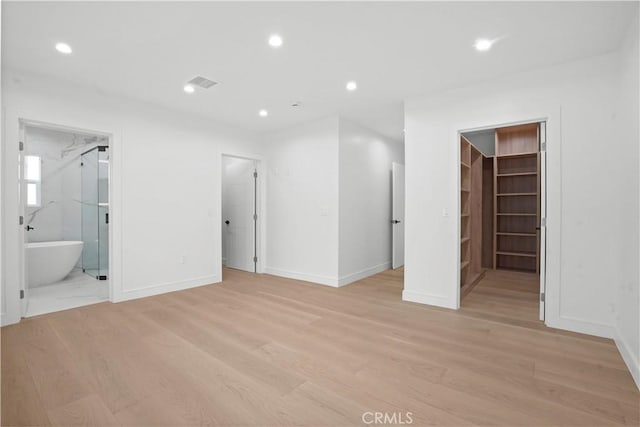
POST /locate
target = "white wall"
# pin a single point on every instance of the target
(165, 179)
(302, 202)
(329, 201)
(627, 213)
(584, 186)
(365, 159)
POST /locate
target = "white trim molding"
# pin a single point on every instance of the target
(581, 326)
(359, 275)
(312, 278)
(633, 364)
(422, 298)
(162, 288)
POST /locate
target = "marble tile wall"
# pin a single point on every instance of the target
(59, 216)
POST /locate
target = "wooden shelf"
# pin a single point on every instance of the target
(506, 156)
(516, 197)
(471, 282)
(506, 175)
(523, 254)
(471, 162)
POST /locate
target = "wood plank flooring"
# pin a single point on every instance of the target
(258, 350)
(505, 296)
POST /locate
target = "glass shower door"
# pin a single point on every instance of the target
(95, 212)
(103, 211)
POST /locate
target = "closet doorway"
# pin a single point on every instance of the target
(502, 220)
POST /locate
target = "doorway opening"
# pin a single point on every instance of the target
(64, 199)
(502, 221)
(240, 213)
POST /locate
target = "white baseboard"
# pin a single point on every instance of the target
(165, 287)
(428, 299)
(313, 278)
(631, 360)
(6, 320)
(581, 326)
(358, 275)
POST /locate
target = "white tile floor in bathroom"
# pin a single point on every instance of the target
(76, 290)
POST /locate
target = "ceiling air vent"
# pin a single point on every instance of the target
(202, 82)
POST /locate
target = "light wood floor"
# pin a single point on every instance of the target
(261, 350)
(506, 296)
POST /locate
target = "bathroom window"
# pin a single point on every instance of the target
(33, 177)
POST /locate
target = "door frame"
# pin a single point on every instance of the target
(261, 206)
(544, 203)
(13, 265)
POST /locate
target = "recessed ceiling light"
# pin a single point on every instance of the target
(189, 89)
(351, 86)
(275, 40)
(63, 48)
(483, 44)
(263, 113)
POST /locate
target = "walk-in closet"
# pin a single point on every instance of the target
(500, 204)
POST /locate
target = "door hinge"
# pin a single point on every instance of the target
(543, 147)
(20, 146)
(255, 259)
(255, 174)
(21, 293)
(20, 220)
(255, 217)
(543, 222)
(542, 297)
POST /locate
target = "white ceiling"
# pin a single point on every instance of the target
(147, 51)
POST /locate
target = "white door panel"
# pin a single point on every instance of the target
(542, 234)
(237, 213)
(397, 178)
(24, 284)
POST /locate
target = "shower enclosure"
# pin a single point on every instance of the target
(95, 211)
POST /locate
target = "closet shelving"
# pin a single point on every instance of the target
(465, 229)
(516, 198)
(499, 204)
(470, 215)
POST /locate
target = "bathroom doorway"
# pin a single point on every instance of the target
(64, 196)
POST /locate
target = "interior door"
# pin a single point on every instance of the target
(542, 217)
(397, 220)
(23, 223)
(238, 204)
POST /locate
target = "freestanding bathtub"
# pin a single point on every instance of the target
(50, 262)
